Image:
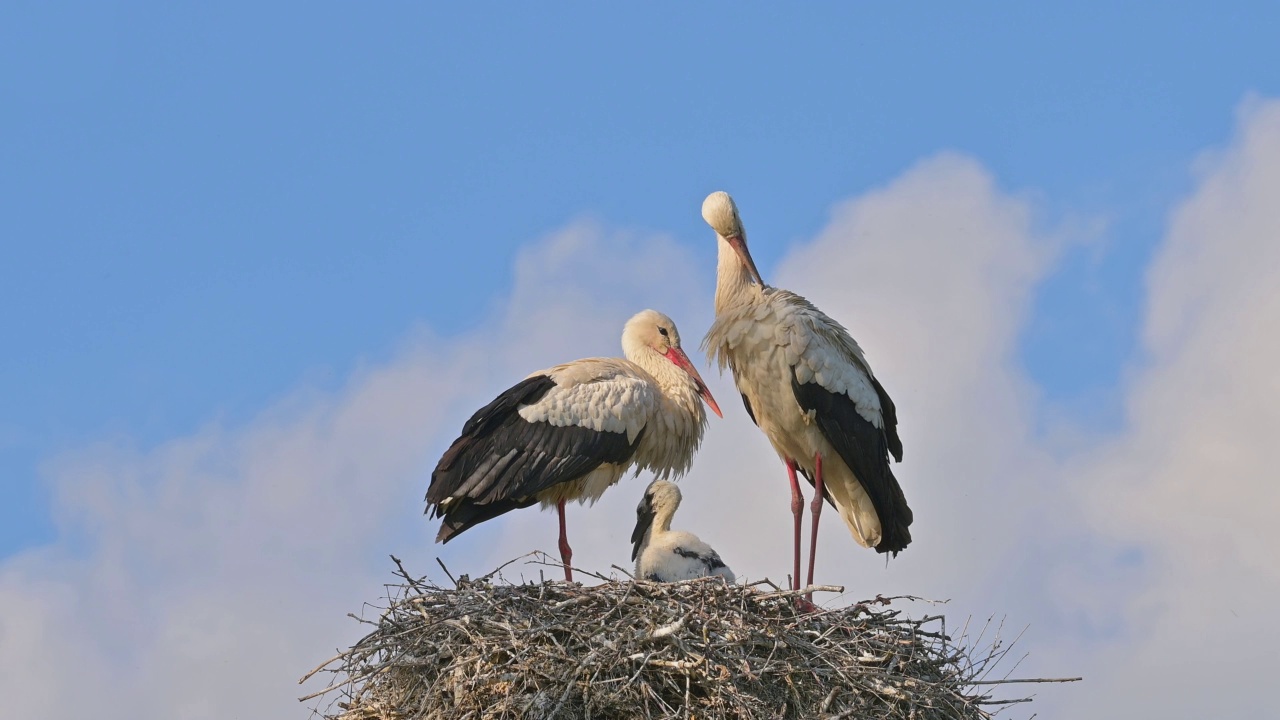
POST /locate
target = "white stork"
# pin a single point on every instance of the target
(806, 384)
(666, 555)
(571, 431)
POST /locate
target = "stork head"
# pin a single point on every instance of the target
(721, 214)
(650, 329)
(660, 497)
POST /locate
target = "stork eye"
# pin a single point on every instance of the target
(663, 331)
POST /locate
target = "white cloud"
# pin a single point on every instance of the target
(198, 542)
(1192, 480)
(202, 577)
(935, 279)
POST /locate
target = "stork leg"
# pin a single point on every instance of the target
(797, 510)
(816, 508)
(566, 552)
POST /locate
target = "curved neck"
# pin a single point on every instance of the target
(662, 517)
(676, 430)
(733, 281)
(676, 385)
(681, 391)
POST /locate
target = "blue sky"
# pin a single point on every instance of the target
(204, 205)
(203, 209)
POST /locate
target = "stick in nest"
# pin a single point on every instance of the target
(697, 648)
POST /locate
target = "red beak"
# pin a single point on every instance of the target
(735, 241)
(680, 360)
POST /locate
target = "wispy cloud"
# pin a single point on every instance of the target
(1191, 482)
(201, 577)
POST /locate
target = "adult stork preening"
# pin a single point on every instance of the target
(571, 431)
(806, 384)
(666, 555)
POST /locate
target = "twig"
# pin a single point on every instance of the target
(322, 666)
(403, 573)
(446, 571)
(496, 570)
(698, 648)
(1026, 680)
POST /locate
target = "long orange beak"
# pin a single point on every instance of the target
(680, 360)
(735, 241)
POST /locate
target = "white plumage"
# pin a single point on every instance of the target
(571, 431)
(807, 385)
(666, 555)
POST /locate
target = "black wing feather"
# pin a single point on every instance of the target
(501, 461)
(889, 413)
(865, 449)
(711, 562)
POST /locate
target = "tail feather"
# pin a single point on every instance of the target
(895, 521)
(887, 532)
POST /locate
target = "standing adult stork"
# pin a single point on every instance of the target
(806, 384)
(571, 431)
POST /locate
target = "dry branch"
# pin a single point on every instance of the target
(697, 649)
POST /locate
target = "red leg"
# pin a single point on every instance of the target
(797, 510)
(816, 508)
(566, 552)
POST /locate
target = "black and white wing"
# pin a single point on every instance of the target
(833, 383)
(553, 427)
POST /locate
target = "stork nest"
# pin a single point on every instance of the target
(694, 649)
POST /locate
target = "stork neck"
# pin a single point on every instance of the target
(733, 281)
(677, 427)
(675, 383)
(662, 518)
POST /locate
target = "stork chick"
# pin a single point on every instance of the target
(666, 555)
